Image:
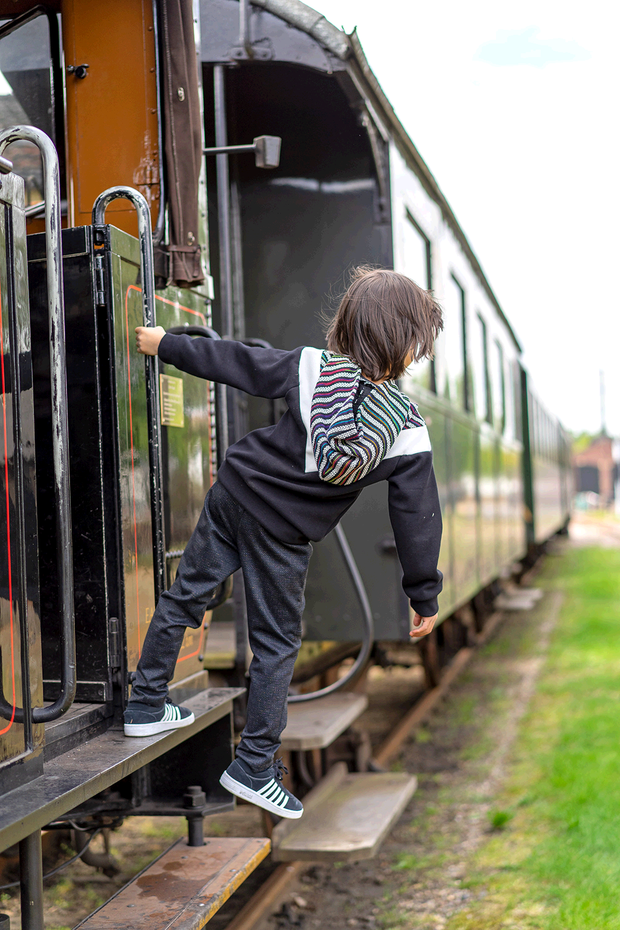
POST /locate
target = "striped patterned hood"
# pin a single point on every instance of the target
(354, 423)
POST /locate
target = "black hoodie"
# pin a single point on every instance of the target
(273, 474)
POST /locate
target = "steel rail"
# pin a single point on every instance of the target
(151, 369)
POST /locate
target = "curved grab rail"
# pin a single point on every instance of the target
(60, 423)
(369, 631)
(151, 368)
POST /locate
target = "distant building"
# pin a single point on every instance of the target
(597, 472)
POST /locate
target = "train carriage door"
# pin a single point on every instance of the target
(184, 417)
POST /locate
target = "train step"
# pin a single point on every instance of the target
(346, 817)
(518, 599)
(74, 777)
(183, 889)
(316, 724)
(81, 722)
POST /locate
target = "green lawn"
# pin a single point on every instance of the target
(553, 860)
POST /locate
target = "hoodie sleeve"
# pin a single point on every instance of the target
(416, 520)
(256, 370)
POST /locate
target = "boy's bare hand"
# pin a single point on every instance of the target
(148, 339)
(422, 625)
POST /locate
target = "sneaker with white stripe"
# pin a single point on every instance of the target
(144, 720)
(265, 789)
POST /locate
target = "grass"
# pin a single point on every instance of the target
(499, 819)
(553, 860)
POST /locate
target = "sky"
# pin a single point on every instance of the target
(514, 109)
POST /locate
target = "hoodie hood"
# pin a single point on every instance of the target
(353, 422)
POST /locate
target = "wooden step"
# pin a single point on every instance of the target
(182, 889)
(316, 724)
(518, 599)
(346, 817)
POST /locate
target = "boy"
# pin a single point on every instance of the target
(347, 426)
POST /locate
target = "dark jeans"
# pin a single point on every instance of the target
(226, 538)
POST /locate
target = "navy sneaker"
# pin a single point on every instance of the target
(264, 789)
(144, 720)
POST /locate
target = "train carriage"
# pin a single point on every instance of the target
(148, 188)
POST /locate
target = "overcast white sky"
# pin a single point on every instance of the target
(514, 108)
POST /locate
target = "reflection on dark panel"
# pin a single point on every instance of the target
(20, 643)
(85, 441)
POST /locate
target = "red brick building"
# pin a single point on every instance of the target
(596, 469)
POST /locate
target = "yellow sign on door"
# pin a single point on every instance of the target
(171, 399)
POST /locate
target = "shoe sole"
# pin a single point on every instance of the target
(150, 729)
(242, 791)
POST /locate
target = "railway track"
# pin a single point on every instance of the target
(271, 891)
(399, 706)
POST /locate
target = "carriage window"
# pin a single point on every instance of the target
(480, 366)
(499, 388)
(457, 375)
(27, 72)
(417, 266)
(417, 253)
(510, 418)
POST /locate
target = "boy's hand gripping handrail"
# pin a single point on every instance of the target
(151, 368)
(60, 422)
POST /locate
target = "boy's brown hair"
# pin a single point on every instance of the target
(382, 317)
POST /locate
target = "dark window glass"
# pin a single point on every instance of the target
(27, 74)
(499, 389)
(457, 376)
(480, 365)
(416, 250)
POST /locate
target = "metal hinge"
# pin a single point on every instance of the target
(99, 281)
(114, 642)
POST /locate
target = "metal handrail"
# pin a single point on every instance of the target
(368, 635)
(60, 421)
(151, 368)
